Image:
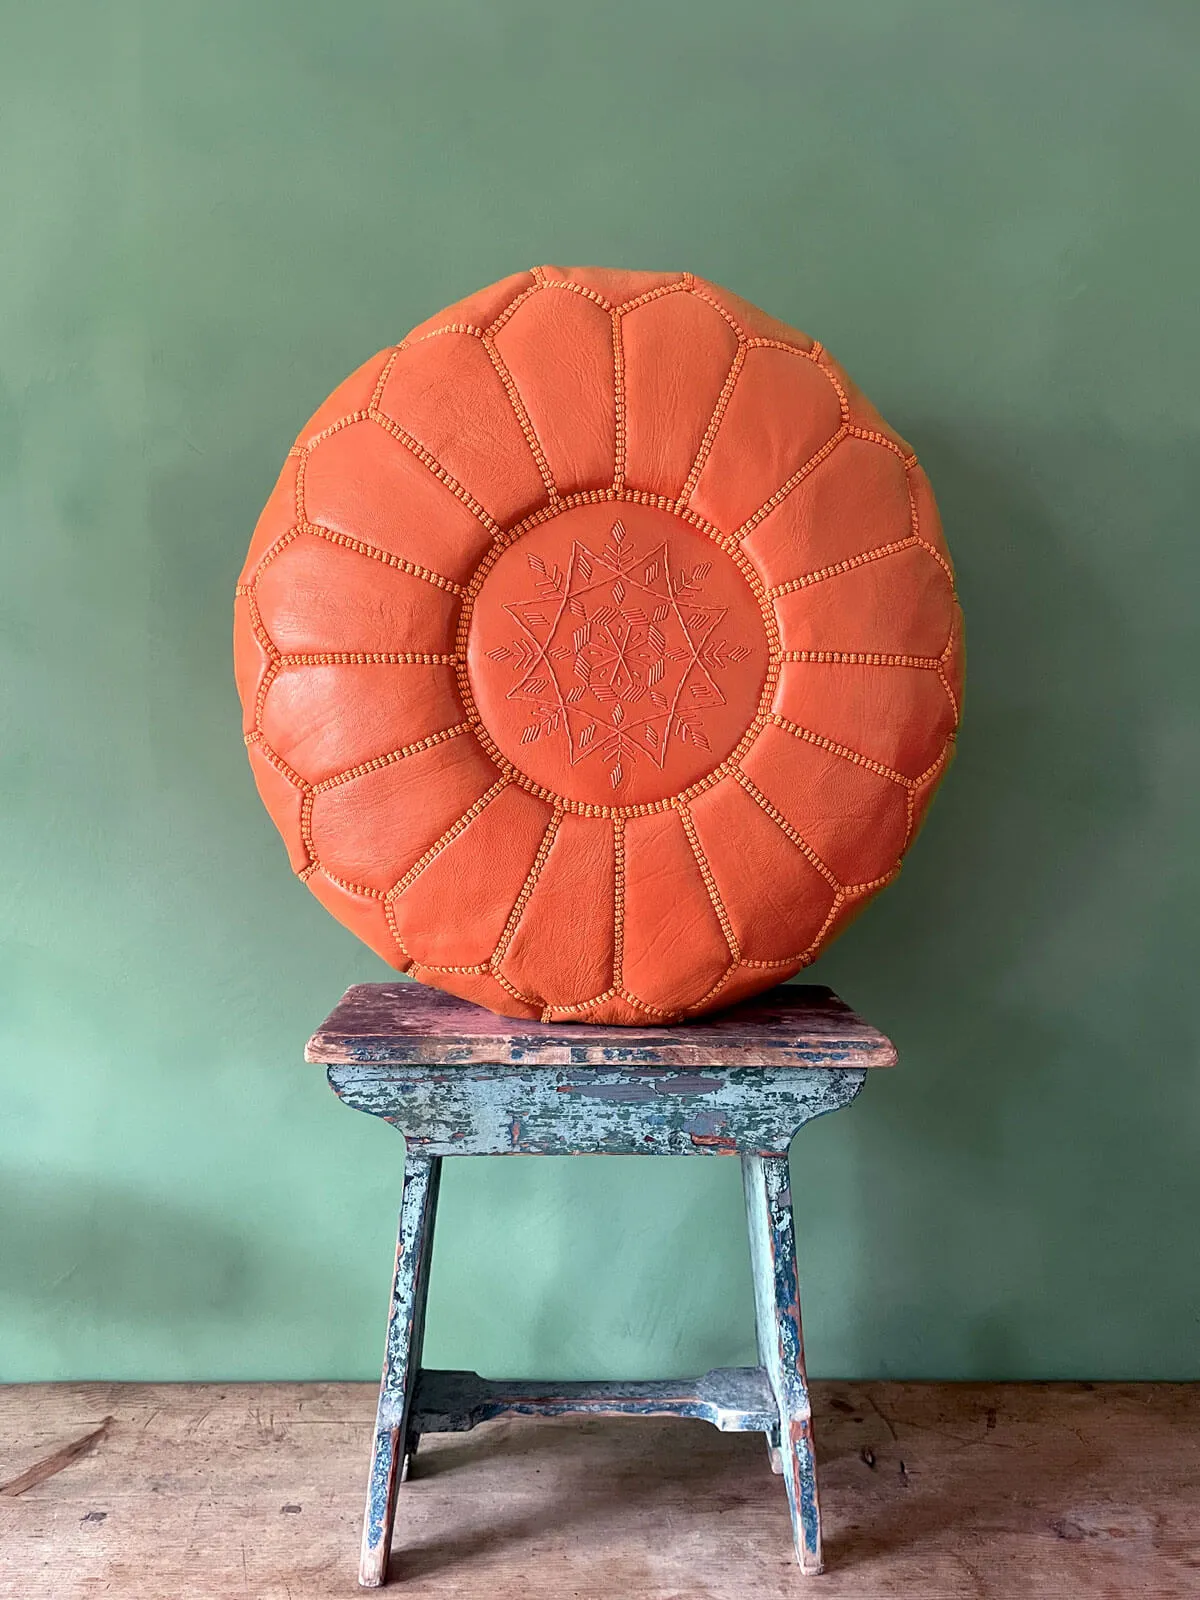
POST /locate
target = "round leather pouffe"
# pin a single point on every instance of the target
(598, 648)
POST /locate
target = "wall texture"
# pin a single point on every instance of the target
(211, 213)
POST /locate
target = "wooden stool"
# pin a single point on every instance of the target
(458, 1080)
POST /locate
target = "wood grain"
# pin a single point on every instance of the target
(402, 1023)
(929, 1491)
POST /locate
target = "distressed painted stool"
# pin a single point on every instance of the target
(458, 1080)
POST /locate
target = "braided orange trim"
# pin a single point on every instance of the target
(847, 754)
(710, 883)
(433, 465)
(714, 422)
(398, 563)
(785, 827)
(864, 558)
(391, 758)
(618, 899)
(785, 489)
(517, 406)
(527, 888)
(447, 838)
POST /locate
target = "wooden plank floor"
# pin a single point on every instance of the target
(1064, 1491)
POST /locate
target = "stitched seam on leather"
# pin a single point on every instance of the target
(264, 684)
(447, 838)
(469, 327)
(352, 888)
(806, 956)
(915, 518)
(955, 624)
(493, 327)
(618, 900)
(275, 760)
(818, 350)
(389, 914)
(578, 288)
(864, 558)
(517, 994)
(311, 441)
(367, 658)
(430, 462)
(875, 437)
(795, 963)
(585, 808)
(707, 998)
(785, 489)
(664, 1013)
(714, 422)
(398, 563)
(724, 311)
(931, 769)
(517, 406)
(478, 969)
(591, 497)
(269, 554)
(306, 809)
(810, 352)
(858, 891)
(527, 888)
(755, 341)
(926, 777)
(618, 404)
(938, 557)
(785, 827)
(259, 627)
(391, 758)
(809, 954)
(856, 756)
(448, 327)
(861, 658)
(552, 1012)
(381, 382)
(678, 287)
(710, 883)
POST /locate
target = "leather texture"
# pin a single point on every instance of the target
(599, 649)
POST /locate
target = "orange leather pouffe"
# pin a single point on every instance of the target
(598, 648)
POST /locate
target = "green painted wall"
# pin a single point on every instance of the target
(210, 213)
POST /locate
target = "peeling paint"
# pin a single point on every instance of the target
(455, 1083)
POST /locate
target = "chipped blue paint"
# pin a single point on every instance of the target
(543, 1111)
(734, 1399)
(767, 1185)
(458, 1085)
(402, 1358)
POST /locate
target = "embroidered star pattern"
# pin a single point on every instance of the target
(618, 655)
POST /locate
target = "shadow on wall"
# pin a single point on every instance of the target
(981, 963)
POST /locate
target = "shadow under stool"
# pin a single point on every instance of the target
(457, 1080)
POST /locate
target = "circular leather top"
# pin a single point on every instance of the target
(598, 648)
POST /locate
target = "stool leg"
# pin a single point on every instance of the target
(781, 1343)
(402, 1362)
(764, 1335)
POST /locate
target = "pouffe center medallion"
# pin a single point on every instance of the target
(599, 649)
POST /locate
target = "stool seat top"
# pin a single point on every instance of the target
(405, 1024)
